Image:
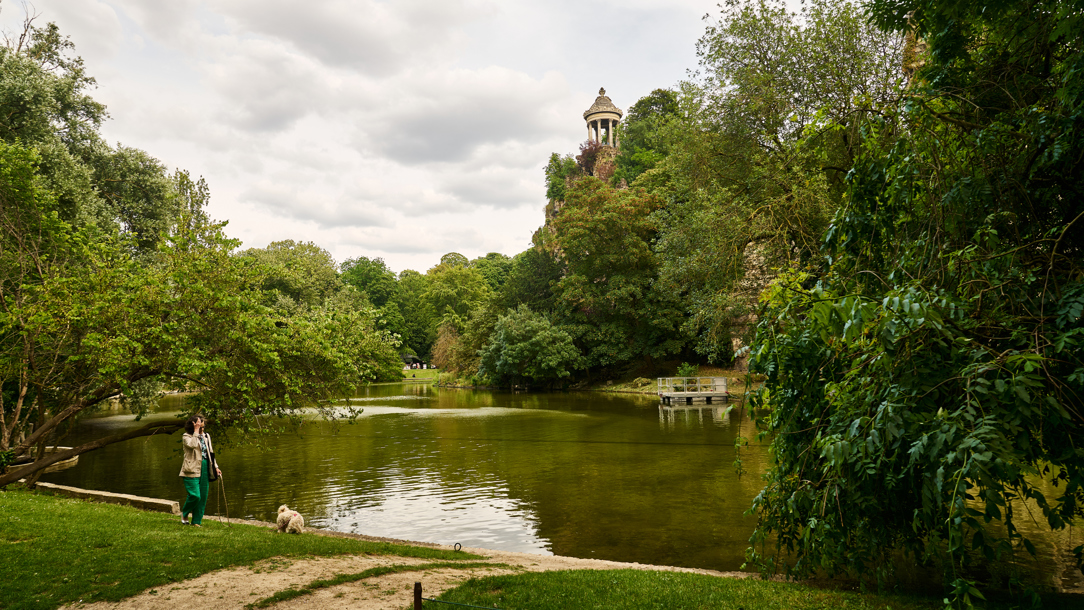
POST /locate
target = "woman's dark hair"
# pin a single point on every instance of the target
(190, 425)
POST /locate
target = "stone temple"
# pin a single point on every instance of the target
(602, 119)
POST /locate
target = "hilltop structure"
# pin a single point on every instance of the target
(602, 120)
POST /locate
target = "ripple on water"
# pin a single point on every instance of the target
(416, 507)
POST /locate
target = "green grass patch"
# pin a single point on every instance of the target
(315, 585)
(57, 550)
(430, 374)
(641, 590)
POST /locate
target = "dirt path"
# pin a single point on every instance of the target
(234, 588)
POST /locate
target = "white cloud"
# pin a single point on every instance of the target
(327, 209)
(375, 38)
(172, 22)
(445, 116)
(265, 87)
(404, 129)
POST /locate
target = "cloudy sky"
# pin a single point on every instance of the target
(401, 129)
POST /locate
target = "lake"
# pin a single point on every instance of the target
(597, 475)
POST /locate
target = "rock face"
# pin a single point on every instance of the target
(605, 163)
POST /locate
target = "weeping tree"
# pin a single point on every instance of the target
(928, 381)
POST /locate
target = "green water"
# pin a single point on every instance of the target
(608, 476)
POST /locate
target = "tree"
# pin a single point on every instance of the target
(494, 267)
(445, 346)
(299, 275)
(114, 284)
(477, 332)
(420, 321)
(193, 199)
(643, 143)
(138, 191)
(756, 152)
(372, 277)
(773, 74)
(930, 375)
(453, 290)
(606, 297)
(83, 322)
(559, 171)
(454, 259)
(43, 90)
(533, 274)
(526, 347)
(591, 159)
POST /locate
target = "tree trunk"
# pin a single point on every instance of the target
(12, 475)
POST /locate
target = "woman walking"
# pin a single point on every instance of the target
(196, 469)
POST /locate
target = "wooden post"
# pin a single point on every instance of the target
(417, 596)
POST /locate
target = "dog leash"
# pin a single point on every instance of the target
(222, 494)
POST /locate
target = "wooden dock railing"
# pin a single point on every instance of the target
(692, 385)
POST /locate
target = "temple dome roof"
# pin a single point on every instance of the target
(602, 104)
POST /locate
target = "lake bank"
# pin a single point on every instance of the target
(141, 560)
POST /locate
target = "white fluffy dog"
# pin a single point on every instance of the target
(290, 521)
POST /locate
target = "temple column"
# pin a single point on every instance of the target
(602, 116)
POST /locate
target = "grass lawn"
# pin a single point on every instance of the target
(635, 589)
(57, 550)
(640, 590)
(430, 374)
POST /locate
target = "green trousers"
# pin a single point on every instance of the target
(197, 488)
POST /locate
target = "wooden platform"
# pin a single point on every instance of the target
(688, 390)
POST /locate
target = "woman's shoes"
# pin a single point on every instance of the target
(184, 521)
(196, 525)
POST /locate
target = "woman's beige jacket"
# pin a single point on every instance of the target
(193, 458)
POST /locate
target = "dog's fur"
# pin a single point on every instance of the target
(290, 521)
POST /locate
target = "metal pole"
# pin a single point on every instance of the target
(417, 596)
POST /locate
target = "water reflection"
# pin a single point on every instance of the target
(588, 475)
(670, 416)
